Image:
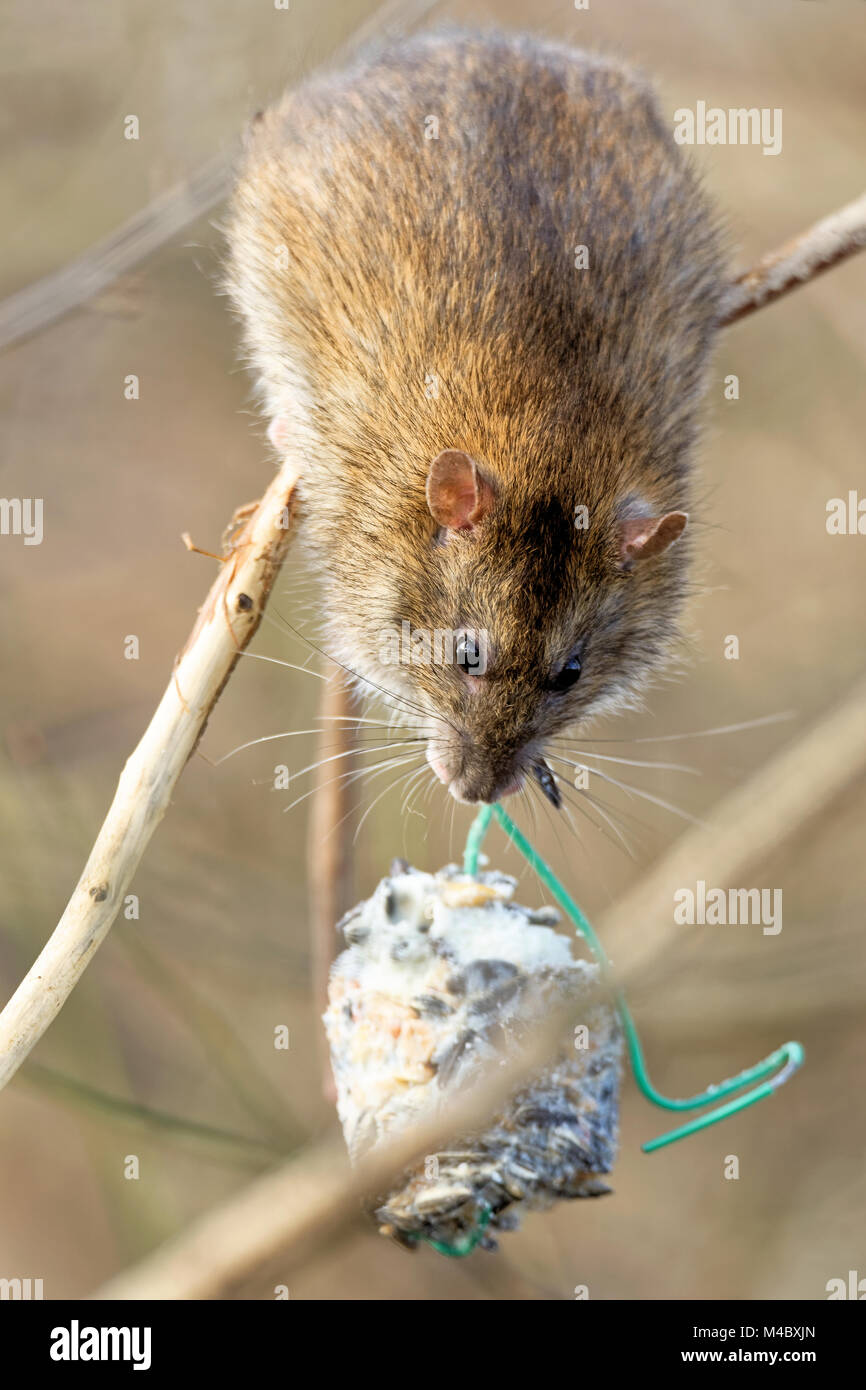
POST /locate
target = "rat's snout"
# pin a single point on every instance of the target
(472, 778)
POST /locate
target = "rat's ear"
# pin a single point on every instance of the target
(458, 496)
(646, 536)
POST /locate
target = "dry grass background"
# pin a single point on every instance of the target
(176, 1015)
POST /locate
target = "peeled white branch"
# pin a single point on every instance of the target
(230, 615)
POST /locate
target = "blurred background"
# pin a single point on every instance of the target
(166, 1049)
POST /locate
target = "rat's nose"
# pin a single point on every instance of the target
(473, 785)
(472, 790)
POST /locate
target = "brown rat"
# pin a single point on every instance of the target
(494, 427)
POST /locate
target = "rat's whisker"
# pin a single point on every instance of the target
(266, 738)
(631, 790)
(451, 828)
(532, 790)
(349, 775)
(411, 788)
(526, 793)
(580, 801)
(573, 823)
(361, 748)
(376, 801)
(388, 694)
(290, 665)
(348, 753)
(411, 810)
(582, 796)
(428, 797)
(765, 719)
(645, 832)
(297, 733)
(357, 719)
(353, 775)
(628, 762)
(350, 812)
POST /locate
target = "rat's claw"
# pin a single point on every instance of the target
(547, 782)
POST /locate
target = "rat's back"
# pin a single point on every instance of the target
(464, 240)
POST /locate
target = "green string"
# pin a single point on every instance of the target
(468, 1243)
(789, 1057)
(784, 1061)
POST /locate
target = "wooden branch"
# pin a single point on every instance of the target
(329, 850)
(315, 1197)
(230, 615)
(829, 242)
(48, 299)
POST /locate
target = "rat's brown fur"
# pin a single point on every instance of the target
(454, 258)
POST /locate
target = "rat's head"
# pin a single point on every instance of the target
(521, 615)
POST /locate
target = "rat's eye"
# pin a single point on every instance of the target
(565, 678)
(470, 654)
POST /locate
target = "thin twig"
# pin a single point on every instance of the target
(238, 1067)
(829, 242)
(314, 1198)
(86, 276)
(48, 299)
(329, 852)
(240, 1148)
